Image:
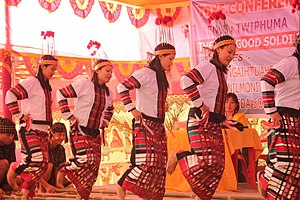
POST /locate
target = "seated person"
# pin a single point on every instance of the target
(232, 107)
(8, 134)
(57, 155)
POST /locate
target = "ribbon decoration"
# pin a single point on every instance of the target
(50, 5)
(111, 11)
(82, 9)
(138, 17)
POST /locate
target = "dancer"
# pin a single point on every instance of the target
(206, 87)
(281, 97)
(35, 119)
(147, 173)
(93, 110)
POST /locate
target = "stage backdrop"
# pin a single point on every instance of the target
(264, 32)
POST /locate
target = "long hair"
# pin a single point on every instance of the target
(156, 66)
(95, 75)
(235, 100)
(45, 83)
(215, 59)
(297, 55)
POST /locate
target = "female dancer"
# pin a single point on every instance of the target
(35, 120)
(206, 87)
(93, 110)
(147, 173)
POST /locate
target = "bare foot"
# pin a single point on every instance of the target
(25, 195)
(78, 197)
(172, 163)
(259, 186)
(121, 192)
(12, 179)
(1, 193)
(197, 198)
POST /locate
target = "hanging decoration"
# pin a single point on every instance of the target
(170, 12)
(138, 17)
(222, 26)
(48, 44)
(13, 2)
(164, 30)
(50, 5)
(82, 9)
(111, 11)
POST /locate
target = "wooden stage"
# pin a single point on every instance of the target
(245, 192)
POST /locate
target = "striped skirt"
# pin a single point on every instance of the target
(281, 178)
(203, 166)
(82, 170)
(147, 173)
(34, 158)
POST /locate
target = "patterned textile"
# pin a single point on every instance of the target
(146, 176)
(206, 84)
(34, 157)
(97, 109)
(36, 100)
(204, 165)
(83, 169)
(57, 156)
(94, 103)
(282, 173)
(151, 93)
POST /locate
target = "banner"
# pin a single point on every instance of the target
(264, 33)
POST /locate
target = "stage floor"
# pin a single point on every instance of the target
(245, 192)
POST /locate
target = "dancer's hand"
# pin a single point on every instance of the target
(276, 118)
(136, 114)
(27, 119)
(204, 108)
(72, 120)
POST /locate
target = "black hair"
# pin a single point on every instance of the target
(156, 66)
(59, 127)
(215, 59)
(95, 75)
(45, 83)
(235, 99)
